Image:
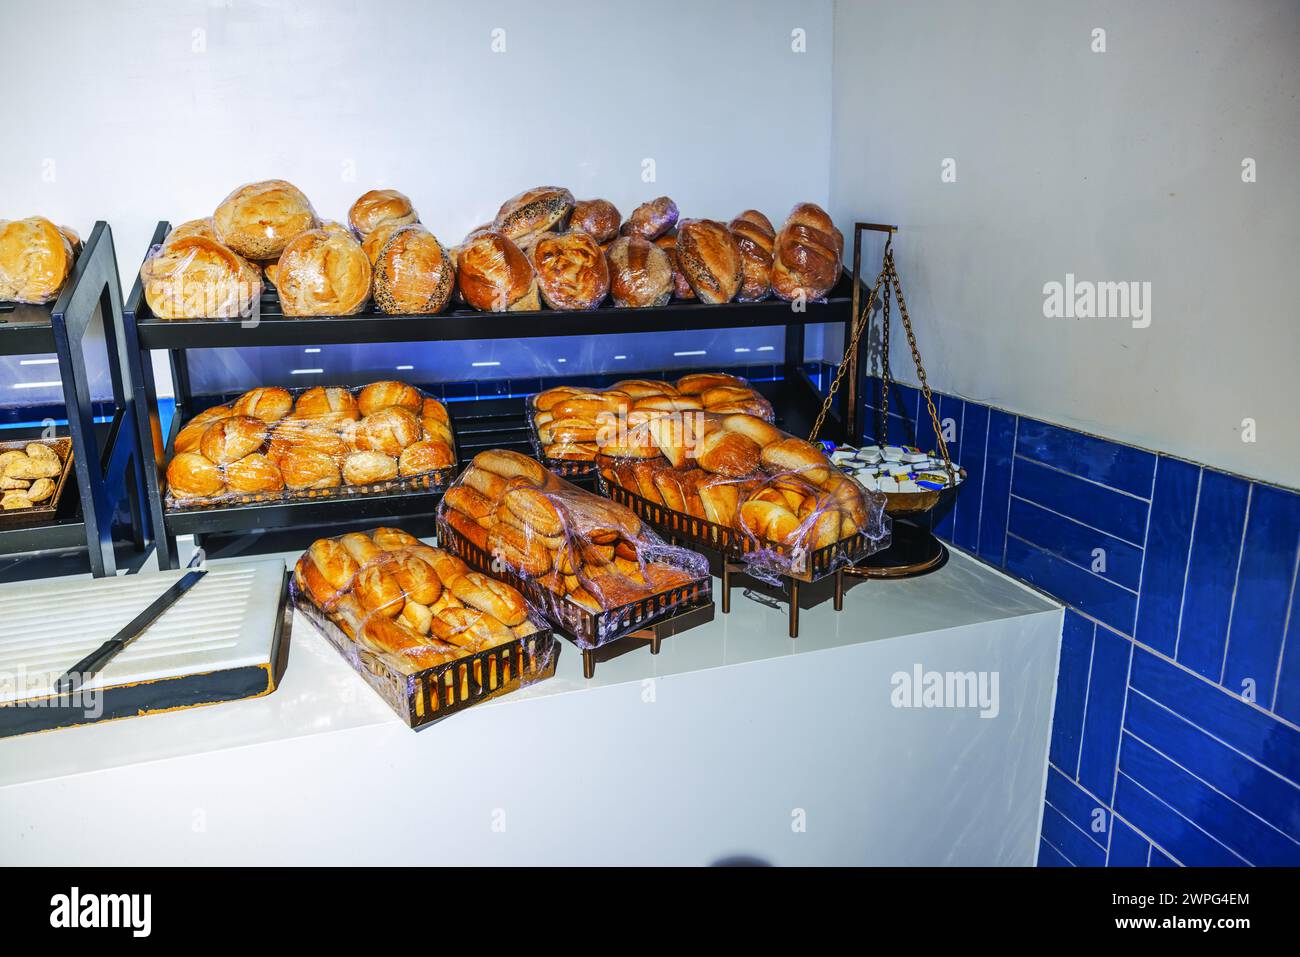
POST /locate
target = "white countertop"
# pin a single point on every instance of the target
(320, 694)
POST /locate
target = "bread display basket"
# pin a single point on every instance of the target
(45, 511)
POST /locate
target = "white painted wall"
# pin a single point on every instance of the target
(156, 109)
(1123, 165)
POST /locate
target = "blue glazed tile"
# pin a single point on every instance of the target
(1224, 820)
(1212, 572)
(1049, 856)
(1128, 848)
(1263, 591)
(1287, 700)
(997, 486)
(1221, 714)
(950, 409)
(1093, 595)
(1170, 829)
(1119, 466)
(966, 514)
(1169, 540)
(1103, 717)
(1113, 512)
(1160, 859)
(1073, 843)
(1077, 806)
(1244, 782)
(1076, 543)
(1071, 690)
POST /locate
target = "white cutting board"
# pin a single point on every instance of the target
(227, 620)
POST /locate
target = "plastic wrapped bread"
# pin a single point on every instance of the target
(36, 258)
(583, 558)
(412, 605)
(270, 443)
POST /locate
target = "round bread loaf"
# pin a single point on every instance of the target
(331, 405)
(190, 475)
(364, 467)
(381, 207)
(598, 218)
(193, 277)
(571, 270)
(254, 473)
(710, 259)
(35, 260)
(230, 439)
(193, 227)
(389, 430)
(381, 395)
(412, 273)
(651, 220)
(523, 218)
(756, 239)
(259, 219)
(494, 275)
(307, 468)
(426, 455)
(806, 255)
(187, 439)
(323, 272)
(640, 273)
(270, 404)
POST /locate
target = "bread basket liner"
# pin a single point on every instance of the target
(594, 545)
(575, 468)
(835, 527)
(433, 480)
(46, 511)
(419, 692)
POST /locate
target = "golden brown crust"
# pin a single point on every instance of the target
(681, 288)
(227, 440)
(806, 254)
(270, 404)
(195, 277)
(323, 272)
(571, 270)
(332, 404)
(35, 260)
(651, 220)
(258, 220)
(524, 218)
(640, 273)
(254, 473)
(412, 273)
(710, 259)
(493, 274)
(598, 218)
(381, 395)
(191, 475)
(427, 455)
(381, 207)
(756, 240)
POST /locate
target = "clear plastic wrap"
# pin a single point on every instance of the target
(258, 220)
(806, 255)
(323, 272)
(272, 444)
(192, 275)
(381, 207)
(36, 259)
(413, 272)
(494, 275)
(738, 484)
(431, 635)
(564, 421)
(590, 565)
(572, 272)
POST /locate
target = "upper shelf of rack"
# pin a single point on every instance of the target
(271, 328)
(25, 329)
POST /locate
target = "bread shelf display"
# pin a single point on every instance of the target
(272, 444)
(429, 634)
(565, 422)
(32, 478)
(590, 565)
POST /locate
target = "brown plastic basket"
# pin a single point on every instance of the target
(46, 511)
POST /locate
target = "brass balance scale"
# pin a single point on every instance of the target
(914, 550)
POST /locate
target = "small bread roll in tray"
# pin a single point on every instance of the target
(591, 566)
(271, 443)
(411, 605)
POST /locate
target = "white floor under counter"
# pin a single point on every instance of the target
(735, 742)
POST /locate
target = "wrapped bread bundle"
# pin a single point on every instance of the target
(323, 272)
(36, 258)
(428, 633)
(494, 275)
(271, 444)
(587, 563)
(192, 275)
(566, 420)
(571, 270)
(524, 218)
(259, 219)
(806, 254)
(381, 207)
(651, 220)
(413, 272)
(756, 238)
(598, 218)
(781, 494)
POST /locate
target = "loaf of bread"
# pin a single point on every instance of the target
(578, 552)
(411, 604)
(709, 258)
(36, 259)
(380, 207)
(681, 288)
(524, 218)
(258, 220)
(413, 273)
(323, 272)
(598, 218)
(571, 270)
(267, 442)
(756, 238)
(494, 275)
(651, 220)
(191, 276)
(806, 255)
(640, 273)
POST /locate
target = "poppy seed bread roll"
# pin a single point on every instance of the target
(710, 260)
(412, 273)
(493, 274)
(524, 218)
(258, 220)
(640, 273)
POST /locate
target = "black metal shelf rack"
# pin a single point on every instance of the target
(105, 454)
(479, 424)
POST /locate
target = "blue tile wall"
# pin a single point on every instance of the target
(1176, 731)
